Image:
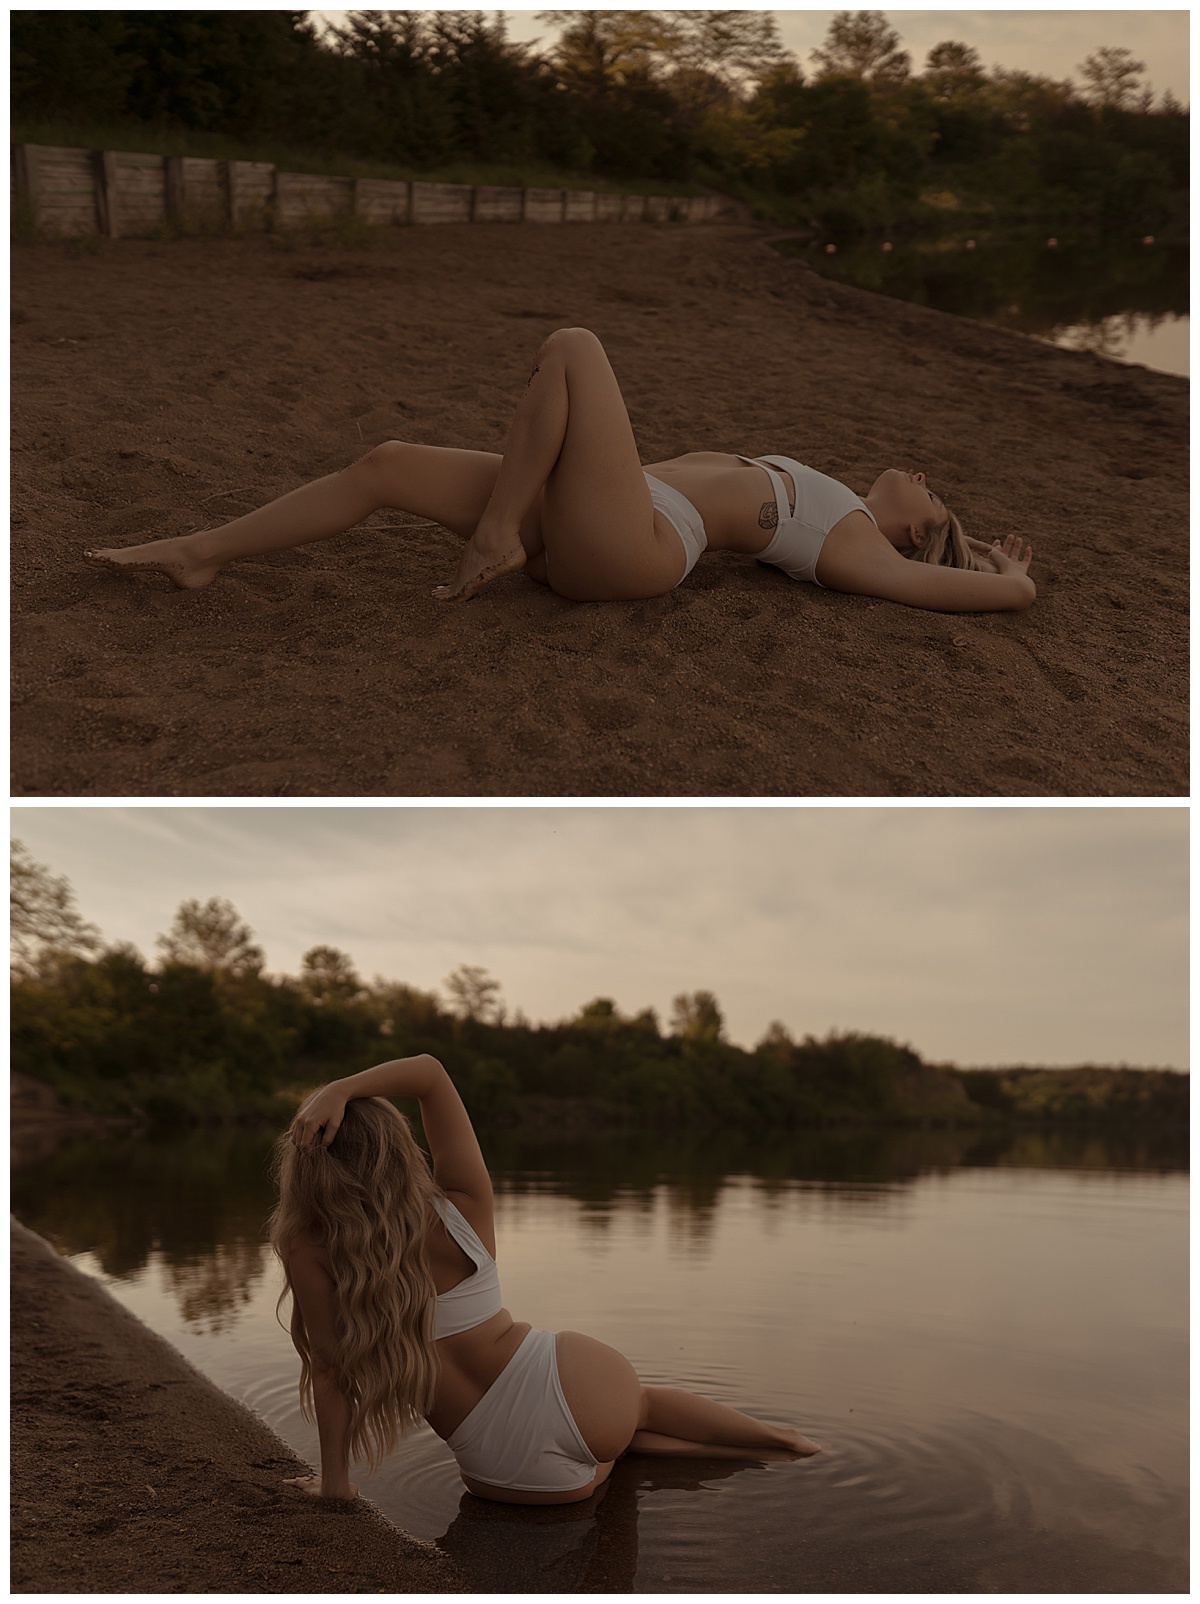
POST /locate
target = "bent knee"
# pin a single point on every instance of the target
(384, 458)
(569, 342)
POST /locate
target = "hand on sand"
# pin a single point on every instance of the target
(312, 1486)
(169, 557)
(1010, 555)
(479, 565)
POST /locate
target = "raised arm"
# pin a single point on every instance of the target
(458, 1164)
(863, 563)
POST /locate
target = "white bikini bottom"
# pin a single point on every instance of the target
(521, 1434)
(684, 519)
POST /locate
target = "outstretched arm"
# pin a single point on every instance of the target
(866, 565)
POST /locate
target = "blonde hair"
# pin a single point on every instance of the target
(367, 1199)
(946, 545)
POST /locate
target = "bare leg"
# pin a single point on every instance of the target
(615, 1414)
(451, 487)
(571, 445)
(671, 1416)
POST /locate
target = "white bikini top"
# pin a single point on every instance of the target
(477, 1297)
(821, 502)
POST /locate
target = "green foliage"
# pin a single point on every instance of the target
(624, 98)
(1082, 1096)
(183, 1044)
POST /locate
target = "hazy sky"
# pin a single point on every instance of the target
(979, 935)
(1049, 42)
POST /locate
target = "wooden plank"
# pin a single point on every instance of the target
(543, 206)
(579, 206)
(204, 202)
(104, 169)
(658, 209)
(441, 203)
(173, 191)
(383, 200)
(138, 182)
(633, 208)
(251, 186)
(308, 197)
(608, 208)
(496, 205)
(66, 189)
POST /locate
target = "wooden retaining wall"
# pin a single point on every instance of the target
(124, 194)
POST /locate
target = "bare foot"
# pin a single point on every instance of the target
(480, 564)
(169, 557)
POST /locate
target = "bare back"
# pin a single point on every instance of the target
(471, 1360)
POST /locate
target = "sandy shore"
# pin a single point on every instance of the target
(132, 1473)
(160, 387)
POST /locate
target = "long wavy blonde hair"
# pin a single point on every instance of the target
(367, 1199)
(945, 544)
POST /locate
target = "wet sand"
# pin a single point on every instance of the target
(132, 1473)
(163, 387)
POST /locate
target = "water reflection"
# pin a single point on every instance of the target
(1110, 294)
(200, 1201)
(577, 1548)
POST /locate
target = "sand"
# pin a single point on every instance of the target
(132, 1473)
(161, 387)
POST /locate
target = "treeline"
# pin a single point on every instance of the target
(204, 1034)
(861, 139)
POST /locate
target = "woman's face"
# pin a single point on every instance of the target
(903, 505)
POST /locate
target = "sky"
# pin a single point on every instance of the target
(1052, 43)
(979, 936)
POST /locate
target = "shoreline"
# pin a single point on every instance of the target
(133, 1473)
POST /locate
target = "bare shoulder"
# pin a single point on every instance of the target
(479, 1213)
(853, 554)
(303, 1253)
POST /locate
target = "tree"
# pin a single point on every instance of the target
(473, 993)
(952, 69)
(716, 54)
(43, 918)
(777, 1041)
(598, 49)
(329, 976)
(1113, 77)
(860, 44)
(211, 936)
(696, 1016)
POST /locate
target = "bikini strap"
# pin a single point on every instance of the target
(777, 485)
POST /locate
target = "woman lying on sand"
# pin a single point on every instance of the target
(570, 503)
(397, 1314)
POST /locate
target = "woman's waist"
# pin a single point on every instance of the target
(735, 499)
(470, 1363)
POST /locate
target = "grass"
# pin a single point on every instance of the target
(301, 159)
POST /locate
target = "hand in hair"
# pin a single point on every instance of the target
(319, 1118)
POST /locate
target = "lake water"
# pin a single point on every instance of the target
(1112, 294)
(988, 1336)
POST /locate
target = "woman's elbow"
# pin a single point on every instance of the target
(1026, 595)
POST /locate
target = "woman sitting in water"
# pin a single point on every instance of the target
(570, 503)
(397, 1313)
